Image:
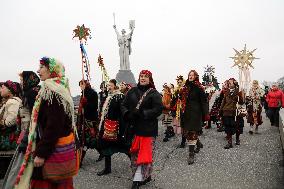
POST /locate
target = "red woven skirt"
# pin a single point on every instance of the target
(45, 184)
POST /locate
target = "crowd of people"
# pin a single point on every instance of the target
(38, 122)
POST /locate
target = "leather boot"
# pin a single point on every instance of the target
(229, 145)
(82, 157)
(238, 142)
(190, 159)
(135, 185)
(198, 146)
(183, 140)
(107, 169)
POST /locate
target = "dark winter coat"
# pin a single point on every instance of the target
(108, 147)
(146, 122)
(229, 103)
(195, 107)
(53, 123)
(91, 107)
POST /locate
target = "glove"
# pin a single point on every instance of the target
(132, 115)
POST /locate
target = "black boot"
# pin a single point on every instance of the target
(135, 185)
(107, 169)
(198, 146)
(101, 157)
(171, 132)
(229, 145)
(238, 142)
(183, 140)
(166, 139)
(190, 159)
(82, 157)
(149, 179)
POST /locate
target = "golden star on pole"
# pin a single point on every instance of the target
(244, 58)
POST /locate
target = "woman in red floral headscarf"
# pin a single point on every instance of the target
(140, 108)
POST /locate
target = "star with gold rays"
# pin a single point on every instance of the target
(82, 33)
(244, 58)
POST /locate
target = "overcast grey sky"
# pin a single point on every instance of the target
(170, 38)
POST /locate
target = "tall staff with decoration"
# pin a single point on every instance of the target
(243, 59)
(83, 34)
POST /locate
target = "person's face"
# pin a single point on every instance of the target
(5, 92)
(82, 85)
(255, 84)
(43, 72)
(122, 86)
(191, 76)
(111, 87)
(273, 87)
(231, 84)
(179, 83)
(144, 79)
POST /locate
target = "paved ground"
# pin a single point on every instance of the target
(254, 164)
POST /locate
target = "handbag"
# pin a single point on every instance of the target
(64, 161)
(241, 109)
(110, 130)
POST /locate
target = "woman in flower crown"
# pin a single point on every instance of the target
(51, 128)
(29, 85)
(8, 121)
(167, 118)
(176, 108)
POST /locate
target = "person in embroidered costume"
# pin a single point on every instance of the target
(112, 127)
(167, 118)
(88, 115)
(51, 125)
(9, 130)
(225, 89)
(232, 118)
(176, 108)
(254, 107)
(29, 84)
(194, 112)
(141, 108)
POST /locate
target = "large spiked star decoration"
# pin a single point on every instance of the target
(244, 58)
(82, 33)
(210, 70)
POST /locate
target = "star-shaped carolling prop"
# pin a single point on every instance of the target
(100, 61)
(82, 33)
(244, 58)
